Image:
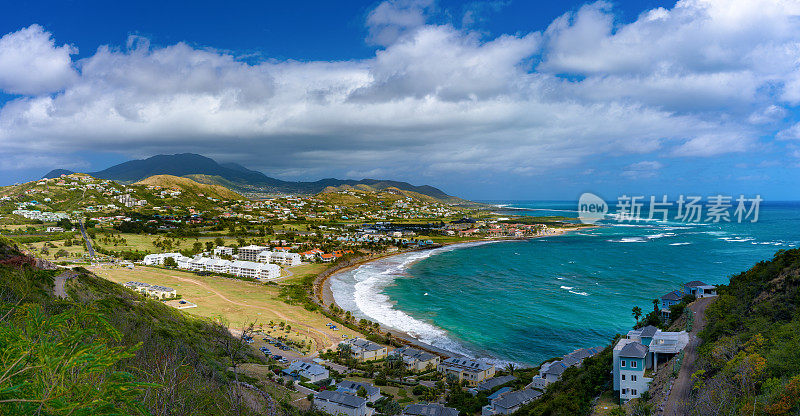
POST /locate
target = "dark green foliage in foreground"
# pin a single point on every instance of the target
(574, 393)
(108, 351)
(750, 360)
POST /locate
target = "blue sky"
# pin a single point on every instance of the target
(486, 100)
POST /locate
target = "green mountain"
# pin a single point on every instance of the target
(236, 177)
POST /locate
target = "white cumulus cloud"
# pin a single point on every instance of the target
(700, 79)
(31, 63)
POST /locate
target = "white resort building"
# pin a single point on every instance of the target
(250, 253)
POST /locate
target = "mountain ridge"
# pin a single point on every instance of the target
(239, 178)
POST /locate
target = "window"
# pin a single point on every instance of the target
(633, 364)
(633, 392)
(623, 363)
(624, 391)
(623, 377)
(633, 378)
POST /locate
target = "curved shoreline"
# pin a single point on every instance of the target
(323, 293)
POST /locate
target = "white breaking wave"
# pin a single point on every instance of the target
(629, 240)
(579, 293)
(360, 291)
(566, 287)
(660, 235)
(680, 244)
(737, 239)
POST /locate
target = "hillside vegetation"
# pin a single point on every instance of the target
(365, 194)
(189, 185)
(750, 360)
(105, 350)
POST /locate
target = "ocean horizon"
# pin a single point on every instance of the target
(526, 301)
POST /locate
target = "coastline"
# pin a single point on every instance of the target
(323, 293)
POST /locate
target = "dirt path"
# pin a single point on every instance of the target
(323, 340)
(676, 403)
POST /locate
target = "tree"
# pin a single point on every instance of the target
(235, 350)
(655, 305)
(63, 364)
(637, 313)
(344, 350)
(510, 367)
(170, 262)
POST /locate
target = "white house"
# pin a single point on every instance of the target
(223, 251)
(700, 289)
(285, 258)
(218, 266)
(313, 372)
(338, 403)
(373, 394)
(255, 270)
(158, 259)
(264, 257)
(198, 263)
(55, 229)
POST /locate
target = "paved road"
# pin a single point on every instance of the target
(62, 278)
(679, 396)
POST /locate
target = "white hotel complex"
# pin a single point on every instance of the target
(250, 261)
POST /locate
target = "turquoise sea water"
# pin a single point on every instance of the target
(527, 301)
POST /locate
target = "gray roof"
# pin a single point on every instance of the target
(556, 368)
(467, 364)
(365, 344)
(674, 295)
(516, 398)
(309, 368)
(355, 386)
(570, 360)
(649, 331)
(343, 399)
(633, 350)
(494, 382)
(695, 283)
(432, 409)
(584, 353)
(414, 353)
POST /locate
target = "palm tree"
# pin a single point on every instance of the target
(637, 313)
(344, 350)
(510, 367)
(655, 305)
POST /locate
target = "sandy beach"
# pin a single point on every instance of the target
(323, 293)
